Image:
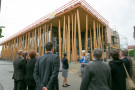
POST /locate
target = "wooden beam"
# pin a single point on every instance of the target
(103, 41)
(79, 33)
(86, 34)
(47, 34)
(97, 37)
(91, 43)
(64, 35)
(75, 51)
(35, 40)
(43, 39)
(50, 33)
(26, 42)
(59, 39)
(72, 37)
(94, 32)
(39, 40)
(68, 39)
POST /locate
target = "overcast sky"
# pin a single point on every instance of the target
(17, 14)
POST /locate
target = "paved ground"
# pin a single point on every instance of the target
(6, 72)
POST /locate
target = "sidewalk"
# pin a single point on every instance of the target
(6, 72)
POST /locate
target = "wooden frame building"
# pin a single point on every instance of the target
(72, 28)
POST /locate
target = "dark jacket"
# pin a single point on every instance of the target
(97, 76)
(118, 75)
(65, 64)
(127, 63)
(18, 71)
(46, 72)
(23, 66)
(30, 70)
(131, 67)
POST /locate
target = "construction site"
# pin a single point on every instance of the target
(74, 27)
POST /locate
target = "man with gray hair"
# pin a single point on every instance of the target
(18, 76)
(127, 61)
(97, 75)
(84, 60)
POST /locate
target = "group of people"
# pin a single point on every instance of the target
(41, 73)
(98, 75)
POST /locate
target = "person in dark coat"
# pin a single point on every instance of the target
(23, 66)
(65, 67)
(47, 69)
(123, 56)
(30, 70)
(19, 75)
(117, 71)
(97, 74)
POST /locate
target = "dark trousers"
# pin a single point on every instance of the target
(31, 87)
(19, 85)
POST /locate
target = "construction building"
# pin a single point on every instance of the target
(72, 28)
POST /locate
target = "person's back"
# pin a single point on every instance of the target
(97, 75)
(131, 67)
(46, 71)
(17, 75)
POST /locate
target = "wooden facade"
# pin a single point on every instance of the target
(72, 30)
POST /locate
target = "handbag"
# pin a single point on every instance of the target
(129, 82)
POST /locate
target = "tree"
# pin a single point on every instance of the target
(1, 31)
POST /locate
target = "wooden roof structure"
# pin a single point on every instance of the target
(82, 5)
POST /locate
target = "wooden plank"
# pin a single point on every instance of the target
(91, 43)
(75, 51)
(94, 30)
(35, 40)
(64, 35)
(47, 34)
(68, 52)
(99, 37)
(45, 37)
(79, 33)
(50, 33)
(103, 41)
(86, 34)
(106, 39)
(43, 40)
(72, 37)
(59, 39)
(39, 40)
(26, 42)
(23, 43)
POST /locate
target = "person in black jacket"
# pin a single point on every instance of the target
(30, 70)
(65, 67)
(47, 69)
(117, 71)
(123, 56)
(23, 67)
(18, 75)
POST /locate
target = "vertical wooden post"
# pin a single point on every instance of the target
(86, 34)
(50, 33)
(103, 41)
(64, 35)
(28, 41)
(66, 38)
(94, 30)
(39, 40)
(75, 51)
(14, 48)
(72, 38)
(79, 33)
(47, 34)
(59, 40)
(35, 40)
(43, 39)
(91, 43)
(97, 37)
(68, 49)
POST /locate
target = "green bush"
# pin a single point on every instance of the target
(131, 53)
